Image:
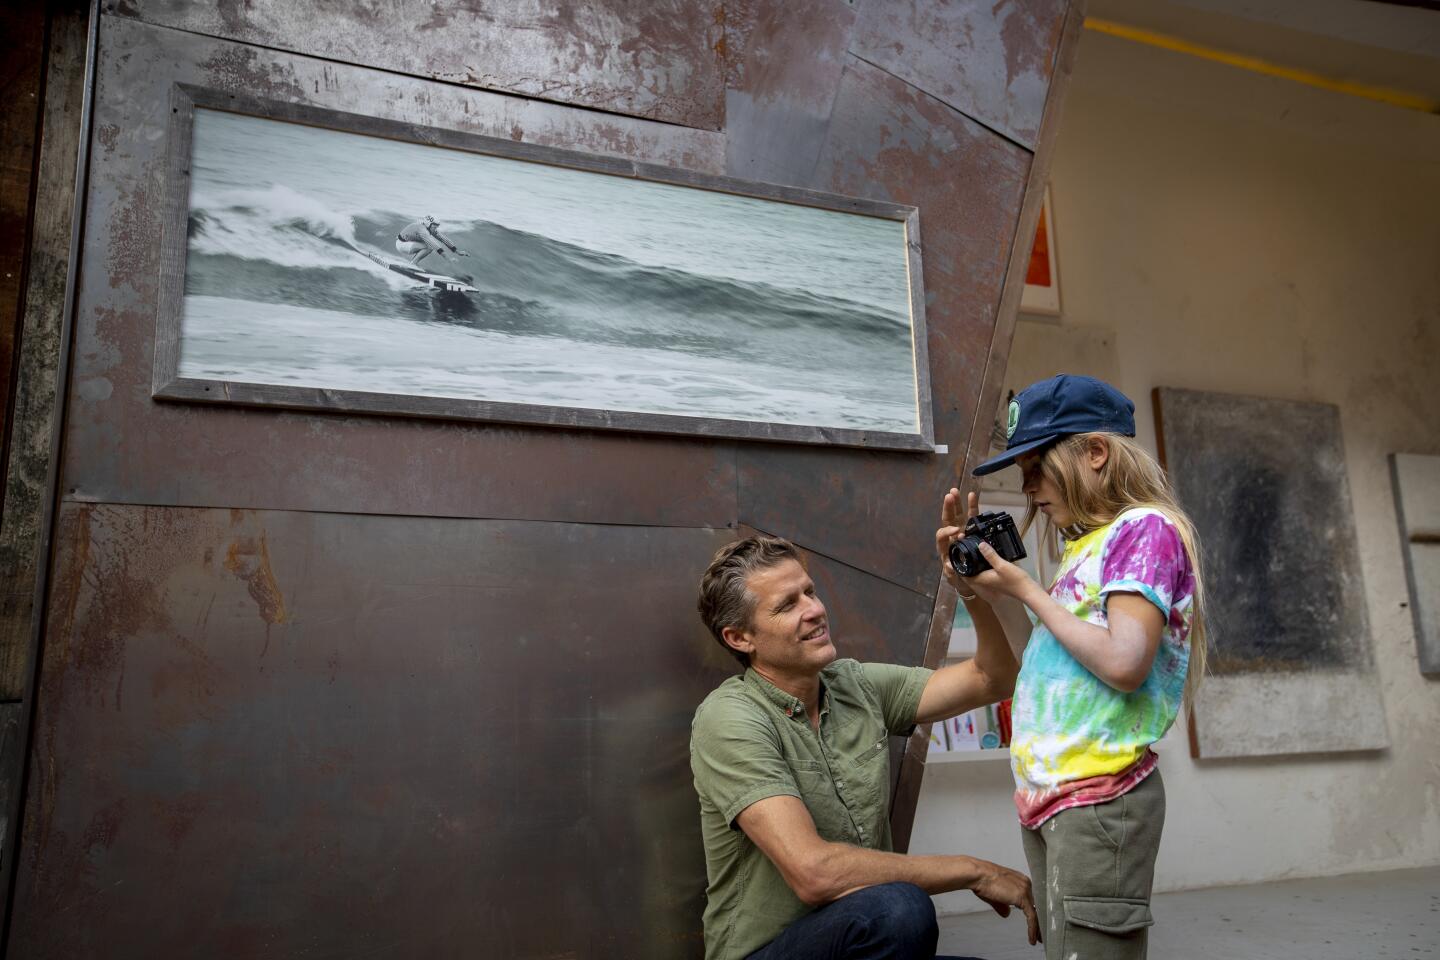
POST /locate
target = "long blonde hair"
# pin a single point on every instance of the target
(1129, 478)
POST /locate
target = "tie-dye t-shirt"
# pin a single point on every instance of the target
(1076, 740)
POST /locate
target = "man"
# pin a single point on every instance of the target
(792, 770)
(423, 237)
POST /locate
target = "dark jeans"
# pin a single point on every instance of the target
(894, 921)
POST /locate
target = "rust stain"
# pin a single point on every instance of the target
(104, 826)
(249, 559)
(132, 256)
(238, 68)
(720, 46)
(108, 134)
(1029, 46)
(177, 817)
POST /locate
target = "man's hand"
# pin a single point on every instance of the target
(1004, 888)
(952, 528)
(949, 531)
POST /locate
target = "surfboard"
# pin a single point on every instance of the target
(437, 280)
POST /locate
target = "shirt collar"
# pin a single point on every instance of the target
(792, 706)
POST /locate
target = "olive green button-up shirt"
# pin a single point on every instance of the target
(749, 741)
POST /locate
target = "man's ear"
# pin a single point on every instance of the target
(737, 639)
(1097, 452)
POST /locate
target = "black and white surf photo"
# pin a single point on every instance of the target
(328, 259)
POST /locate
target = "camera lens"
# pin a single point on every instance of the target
(966, 558)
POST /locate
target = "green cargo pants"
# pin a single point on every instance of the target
(1092, 869)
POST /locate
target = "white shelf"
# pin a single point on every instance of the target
(968, 756)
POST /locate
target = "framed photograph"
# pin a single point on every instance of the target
(329, 261)
(1042, 279)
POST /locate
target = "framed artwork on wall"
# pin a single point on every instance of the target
(1042, 278)
(322, 260)
(1290, 662)
(1416, 481)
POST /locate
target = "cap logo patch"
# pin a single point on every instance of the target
(1014, 419)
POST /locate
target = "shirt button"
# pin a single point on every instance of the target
(840, 784)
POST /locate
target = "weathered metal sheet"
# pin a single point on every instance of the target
(991, 61)
(345, 735)
(888, 140)
(32, 430)
(11, 764)
(783, 64)
(124, 447)
(1019, 262)
(656, 59)
(23, 26)
(399, 734)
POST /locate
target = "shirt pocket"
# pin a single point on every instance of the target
(817, 791)
(867, 783)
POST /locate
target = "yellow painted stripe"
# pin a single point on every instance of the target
(1398, 98)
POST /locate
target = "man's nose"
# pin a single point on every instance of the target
(815, 609)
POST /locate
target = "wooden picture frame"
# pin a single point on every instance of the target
(190, 248)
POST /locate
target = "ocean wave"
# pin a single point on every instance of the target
(277, 245)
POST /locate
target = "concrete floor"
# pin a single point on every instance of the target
(1363, 916)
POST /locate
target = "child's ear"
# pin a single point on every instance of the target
(1097, 453)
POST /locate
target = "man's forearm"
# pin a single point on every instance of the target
(994, 649)
(1015, 622)
(841, 868)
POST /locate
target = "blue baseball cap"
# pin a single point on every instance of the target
(1059, 407)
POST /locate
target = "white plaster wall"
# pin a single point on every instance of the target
(1219, 230)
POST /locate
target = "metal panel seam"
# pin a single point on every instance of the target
(1008, 138)
(285, 51)
(849, 566)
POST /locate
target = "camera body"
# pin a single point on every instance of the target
(995, 528)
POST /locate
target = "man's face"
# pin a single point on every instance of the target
(789, 633)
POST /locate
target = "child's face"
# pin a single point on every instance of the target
(1042, 492)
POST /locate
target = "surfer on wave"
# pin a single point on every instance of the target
(421, 238)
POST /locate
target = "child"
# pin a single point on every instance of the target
(1118, 645)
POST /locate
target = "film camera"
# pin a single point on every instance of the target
(995, 528)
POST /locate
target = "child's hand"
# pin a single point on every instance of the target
(1002, 577)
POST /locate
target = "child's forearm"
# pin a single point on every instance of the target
(1092, 645)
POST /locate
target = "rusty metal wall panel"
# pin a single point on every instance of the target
(124, 447)
(783, 65)
(33, 428)
(367, 719)
(339, 735)
(887, 140)
(991, 61)
(11, 723)
(23, 27)
(656, 59)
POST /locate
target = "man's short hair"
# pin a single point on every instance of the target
(725, 600)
